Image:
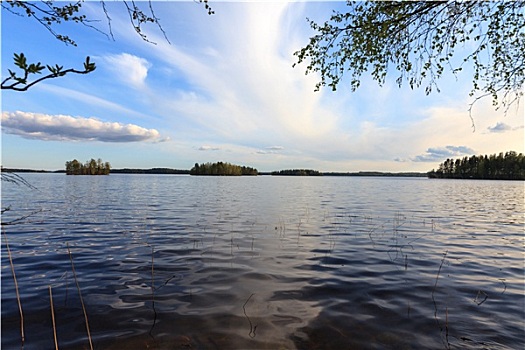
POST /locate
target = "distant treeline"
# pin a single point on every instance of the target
(91, 167)
(16, 170)
(378, 173)
(222, 169)
(297, 172)
(508, 166)
(169, 171)
(150, 171)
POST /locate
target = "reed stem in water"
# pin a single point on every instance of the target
(80, 296)
(53, 317)
(16, 290)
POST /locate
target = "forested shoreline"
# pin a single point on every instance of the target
(222, 169)
(504, 166)
(158, 171)
(169, 171)
(297, 172)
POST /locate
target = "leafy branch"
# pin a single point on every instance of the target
(48, 15)
(21, 82)
(419, 41)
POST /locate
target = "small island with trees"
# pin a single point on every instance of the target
(222, 169)
(508, 166)
(91, 167)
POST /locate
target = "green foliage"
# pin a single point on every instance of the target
(418, 39)
(91, 167)
(20, 82)
(222, 169)
(49, 15)
(297, 172)
(508, 166)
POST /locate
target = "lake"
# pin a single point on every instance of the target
(180, 262)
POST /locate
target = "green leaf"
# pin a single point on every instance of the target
(20, 60)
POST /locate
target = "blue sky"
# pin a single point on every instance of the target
(224, 89)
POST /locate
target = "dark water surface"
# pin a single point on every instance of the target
(180, 262)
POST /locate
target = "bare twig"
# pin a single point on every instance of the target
(19, 219)
(16, 179)
(108, 19)
(80, 296)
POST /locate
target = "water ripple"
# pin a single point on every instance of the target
(266, 262)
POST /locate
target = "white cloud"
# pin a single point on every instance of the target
(129, 68)
(67, 128)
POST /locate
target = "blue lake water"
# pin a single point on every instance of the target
(169, 262)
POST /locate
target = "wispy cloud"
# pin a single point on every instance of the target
(270, 150)
(250, 90)
(442, 153)
(67, 128)
(90, 99)
(129, 68)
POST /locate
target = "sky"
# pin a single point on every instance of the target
(223, 89)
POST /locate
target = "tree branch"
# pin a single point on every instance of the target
(21, 83)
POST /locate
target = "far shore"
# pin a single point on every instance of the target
(168, 171)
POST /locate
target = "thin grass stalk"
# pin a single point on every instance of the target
(252, 328)
(152, 271)
(80, 296)
(153, 293)
(446, 327)
(53, 318)
(447, 344)
(16, 290)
